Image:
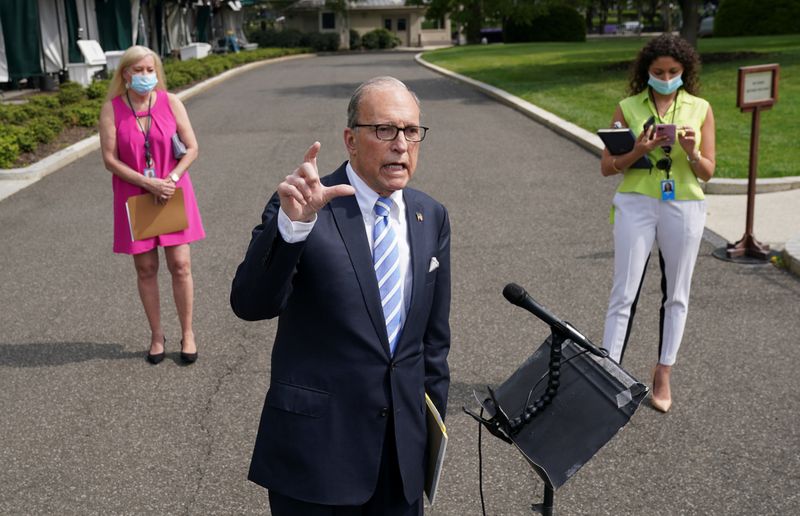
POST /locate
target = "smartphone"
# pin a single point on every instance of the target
(666, 130)
(647, 124)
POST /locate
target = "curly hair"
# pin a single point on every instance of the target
(666, 45)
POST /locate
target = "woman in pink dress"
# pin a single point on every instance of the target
(136, 127)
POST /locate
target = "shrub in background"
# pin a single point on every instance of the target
(379, 38)
(14, 114)
(70, 92)
(749, 18)
(98, 89)
(83, 114)
(355, 39)
(48, 102)
(24, 136)
(558, 23)
(293, 38)
(45, 128)
(178, 79)
(24, 126)
(9, 149)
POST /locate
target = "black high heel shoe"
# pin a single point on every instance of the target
(188, 358)
(158, 357)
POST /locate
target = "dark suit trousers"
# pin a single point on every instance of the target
(387, 500)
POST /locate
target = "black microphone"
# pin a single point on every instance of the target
(517, 295)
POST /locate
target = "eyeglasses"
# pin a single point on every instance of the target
(665, 163)
(387, 132)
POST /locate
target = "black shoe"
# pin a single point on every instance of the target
(188, 358)
(158, 357)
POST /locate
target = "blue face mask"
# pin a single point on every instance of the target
(665, 87)
(144, 83)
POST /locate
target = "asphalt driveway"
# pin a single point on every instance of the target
(89, 428)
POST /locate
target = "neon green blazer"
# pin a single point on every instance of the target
(688, 110)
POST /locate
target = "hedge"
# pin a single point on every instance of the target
(321, 42)
(23, 127)
(558, 23)
(762, 18)
(379, 38)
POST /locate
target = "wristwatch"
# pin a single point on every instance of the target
(694, 158)
(175, 177)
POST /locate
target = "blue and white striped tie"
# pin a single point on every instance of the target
(386, 258)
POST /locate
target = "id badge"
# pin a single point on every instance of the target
(668, 190)
(149, 172)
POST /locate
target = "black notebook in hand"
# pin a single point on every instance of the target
(621, 141)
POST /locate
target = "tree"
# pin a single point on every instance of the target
(690, 10)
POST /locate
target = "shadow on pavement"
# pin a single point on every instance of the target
(43, 354)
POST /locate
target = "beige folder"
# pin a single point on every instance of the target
(437, 445)
(148, 218)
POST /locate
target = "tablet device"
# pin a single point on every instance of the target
(621, 141)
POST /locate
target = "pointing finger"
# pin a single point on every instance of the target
(311, 153)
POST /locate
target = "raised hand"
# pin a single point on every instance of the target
(687, 137)
(301, 193)
(648, 141)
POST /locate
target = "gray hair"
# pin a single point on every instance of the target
(375, 82)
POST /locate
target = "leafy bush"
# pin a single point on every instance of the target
(97, 90)
(70, 92)
(45, 128)
(178, 79)
(558, 23)
(322, 42)
(278, 38)
(748, 18)
(43, 117)
(48, 102)
(14, 113)
(355, 39)
(83, 114)
(293, 38)
(9, 149)
(25, 137)
(379, 38)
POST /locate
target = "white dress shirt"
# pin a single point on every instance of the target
(294, 231)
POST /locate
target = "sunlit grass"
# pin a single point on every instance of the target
(583, 82)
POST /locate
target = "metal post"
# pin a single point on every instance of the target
(546, 507)
(547, 504)
(748, 245)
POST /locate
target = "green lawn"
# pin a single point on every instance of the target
(583, 82)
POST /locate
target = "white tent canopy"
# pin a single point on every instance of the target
(3, 58)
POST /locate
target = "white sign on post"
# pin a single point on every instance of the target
(758, 87)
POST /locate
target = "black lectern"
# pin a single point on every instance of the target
(563, 404)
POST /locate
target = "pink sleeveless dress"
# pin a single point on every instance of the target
(130, 149)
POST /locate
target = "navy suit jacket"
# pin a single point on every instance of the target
(333, 382)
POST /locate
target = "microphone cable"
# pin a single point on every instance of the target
(480, 429)
(480, 465)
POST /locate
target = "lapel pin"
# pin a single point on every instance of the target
(419, 216)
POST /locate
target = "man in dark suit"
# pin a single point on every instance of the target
(357, 267)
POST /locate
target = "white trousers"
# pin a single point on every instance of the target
(677, 228)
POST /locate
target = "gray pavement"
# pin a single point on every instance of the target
(89, 428)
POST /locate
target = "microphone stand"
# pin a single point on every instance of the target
(598, 380)
(504, 427)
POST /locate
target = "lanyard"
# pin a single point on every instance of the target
(665, 163)
(148, 157)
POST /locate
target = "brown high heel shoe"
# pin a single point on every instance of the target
(660, 404)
